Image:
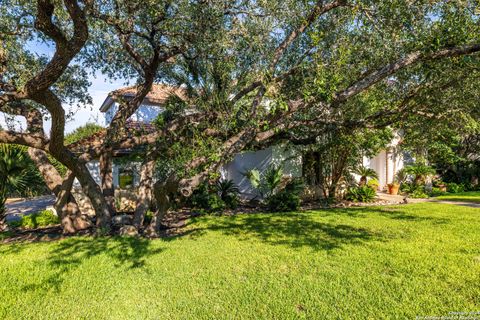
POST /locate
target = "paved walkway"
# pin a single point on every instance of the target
(458, 203)
(400, 198)
(20, 207)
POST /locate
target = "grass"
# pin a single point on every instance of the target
(471, 196)
(377, 263)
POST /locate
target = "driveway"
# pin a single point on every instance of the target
(18, 208)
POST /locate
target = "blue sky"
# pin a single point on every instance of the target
(100, 87)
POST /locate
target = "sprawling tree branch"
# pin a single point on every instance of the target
(66, 49)
(389, 69)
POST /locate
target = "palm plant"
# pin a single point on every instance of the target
(16, 175)
(400, 177)
(273, 179)
(364, 174)
(420, 172)
(266, 183)
(226, 188)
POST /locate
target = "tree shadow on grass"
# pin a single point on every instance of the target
(66, 255)
(291, 230)
(15, 248)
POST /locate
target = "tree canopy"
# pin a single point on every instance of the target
(256, 73)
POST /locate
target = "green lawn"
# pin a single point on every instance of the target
(471, 196)
(377, 263)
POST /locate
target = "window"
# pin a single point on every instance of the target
(125, 178)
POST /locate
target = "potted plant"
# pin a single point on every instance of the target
(393, 188)
(400, 177)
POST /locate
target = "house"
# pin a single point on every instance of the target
(126, 171)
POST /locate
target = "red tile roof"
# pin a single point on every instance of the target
(159, 93)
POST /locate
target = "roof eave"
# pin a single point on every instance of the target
(106, 104)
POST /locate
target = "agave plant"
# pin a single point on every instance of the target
(364, 174)
(16, 174)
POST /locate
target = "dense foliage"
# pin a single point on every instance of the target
(336, 77)
(361, 194)
(224, 194)
(85, 131)
(18, 175)
(286, 199)
(45, 218)
(337, 151)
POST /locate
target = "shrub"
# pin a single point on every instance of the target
(214, 203)
(418, 193)
(267, 183)
(401, 176)
(277, 195)
(414, 190)
(361, 194)
(373, 183)
(436, 192)
(455, 188)
(228, 192)
(18, 174)
(283, 201)
(231, 201)
(43, 218)
(206, 199)
(287, 199)
(364, 174)
(409, 188)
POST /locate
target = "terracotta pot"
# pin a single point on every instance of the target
(442, 187)
(393, 189)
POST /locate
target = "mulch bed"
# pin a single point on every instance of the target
(45, 234)
(174, 222)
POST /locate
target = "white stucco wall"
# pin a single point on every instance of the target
(379, 163)
(94, 169)
(261, 160)
(145, 113)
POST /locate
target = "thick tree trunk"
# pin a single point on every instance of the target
(70, 214)
(144, 193)
(94, 193)
(163, 191)
(332, 191)
(71, 218)
(106, 174)
(363, 181)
